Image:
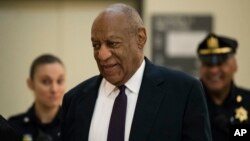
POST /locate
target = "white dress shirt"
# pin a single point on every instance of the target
(104, 105)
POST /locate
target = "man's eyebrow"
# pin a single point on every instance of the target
(114, 37)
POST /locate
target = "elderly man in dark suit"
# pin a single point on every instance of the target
(132, 99)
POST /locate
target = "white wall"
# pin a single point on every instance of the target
(231, 18)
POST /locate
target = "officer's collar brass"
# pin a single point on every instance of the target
(239, 98)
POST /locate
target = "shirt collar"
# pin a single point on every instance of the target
(31, 117)
(133, 84)
(108, 87)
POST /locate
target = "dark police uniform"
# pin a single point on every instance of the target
(7, 133)
(31, 129)
(235, 109)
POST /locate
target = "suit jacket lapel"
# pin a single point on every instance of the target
(85, 107)
(149, 100)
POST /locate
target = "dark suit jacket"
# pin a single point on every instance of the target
(170, 106)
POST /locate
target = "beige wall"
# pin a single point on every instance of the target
(28, 29)
(231, 18)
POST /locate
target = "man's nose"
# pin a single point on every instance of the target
(104, 53)
(214, 69)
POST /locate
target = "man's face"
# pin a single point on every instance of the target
(116, 49)
(218, 77)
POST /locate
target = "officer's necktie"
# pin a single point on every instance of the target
(117, 121)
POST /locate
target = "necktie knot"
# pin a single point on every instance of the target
(122, 88)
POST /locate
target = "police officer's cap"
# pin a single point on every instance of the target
(216, 49)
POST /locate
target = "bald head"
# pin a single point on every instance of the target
(132, 16)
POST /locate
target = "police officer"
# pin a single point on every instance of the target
(227, 103)
(42, 120)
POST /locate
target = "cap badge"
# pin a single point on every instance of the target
(212, 42)
(241, 114)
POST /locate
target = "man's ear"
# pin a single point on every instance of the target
(30, 83)
(142, 37)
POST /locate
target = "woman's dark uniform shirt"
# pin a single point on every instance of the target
(234, 110)
(31, 129)
(7, 133)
